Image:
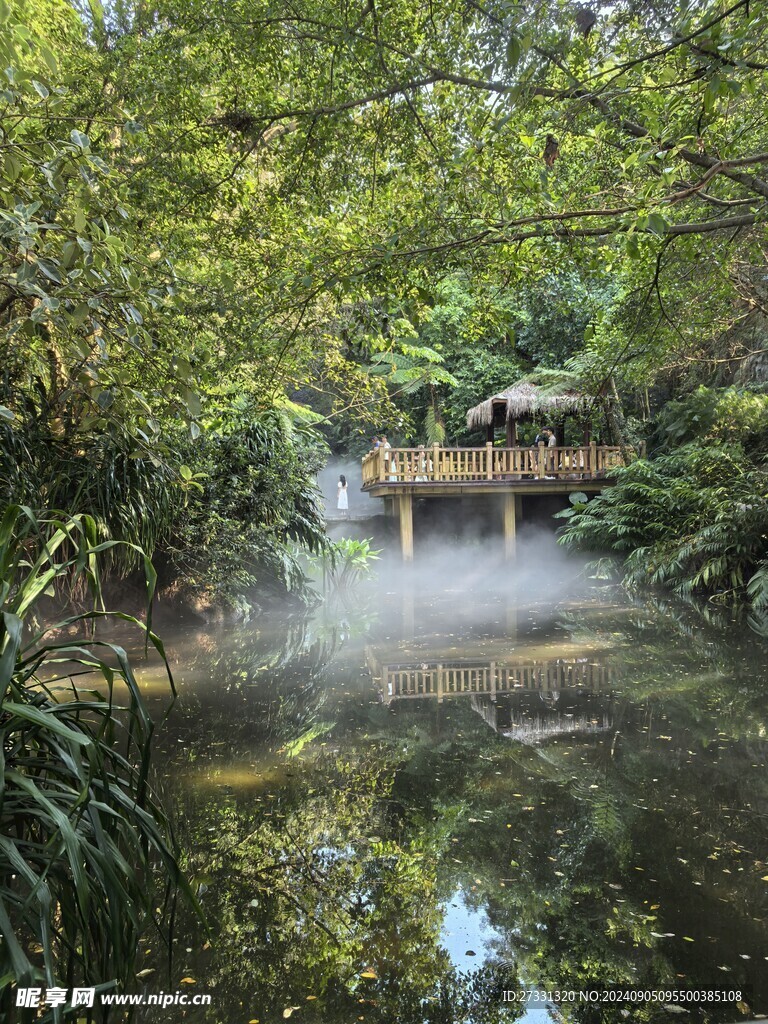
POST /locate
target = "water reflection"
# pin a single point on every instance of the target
(574, 794)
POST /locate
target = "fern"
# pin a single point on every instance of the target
(412, 367)
(691, 521)
(434, 427)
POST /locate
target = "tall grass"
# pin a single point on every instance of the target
(81, 837)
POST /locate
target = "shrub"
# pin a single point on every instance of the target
(80, 832)
(695, 520)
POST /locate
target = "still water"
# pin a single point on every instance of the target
(464, 779)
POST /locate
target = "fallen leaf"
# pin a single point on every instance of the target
(188, 981)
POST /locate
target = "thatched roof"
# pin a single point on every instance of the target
(525, 400)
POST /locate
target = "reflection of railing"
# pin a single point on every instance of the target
(487, 464)
(455, 679)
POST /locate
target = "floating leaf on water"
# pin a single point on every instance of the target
(147, 971)
(368, 974)
(188, 981)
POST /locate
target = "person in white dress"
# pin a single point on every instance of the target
(342, 500)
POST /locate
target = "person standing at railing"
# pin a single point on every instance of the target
(542, 437)
(421, 465)
(550, 456)
(390, 462)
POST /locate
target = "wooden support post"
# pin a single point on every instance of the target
(592, 458)
(406, 527)
(542, 460)
(510, 526)
(489, 461)
(382, 466)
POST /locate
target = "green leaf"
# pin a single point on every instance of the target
(80, 139)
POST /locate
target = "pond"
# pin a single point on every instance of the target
(465, 779)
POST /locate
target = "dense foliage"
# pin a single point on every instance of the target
(383, 214)
(695, 516)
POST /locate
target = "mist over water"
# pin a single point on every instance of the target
(467, 570)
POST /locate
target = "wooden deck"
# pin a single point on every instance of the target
(401, 474)
(449, 470)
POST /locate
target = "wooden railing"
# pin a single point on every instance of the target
(447, 680)
(462, 465)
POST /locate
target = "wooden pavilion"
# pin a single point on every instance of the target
(401, 474)
(526, 401)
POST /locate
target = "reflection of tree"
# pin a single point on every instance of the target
(600, 845)
(250, 689)
(318, 905)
